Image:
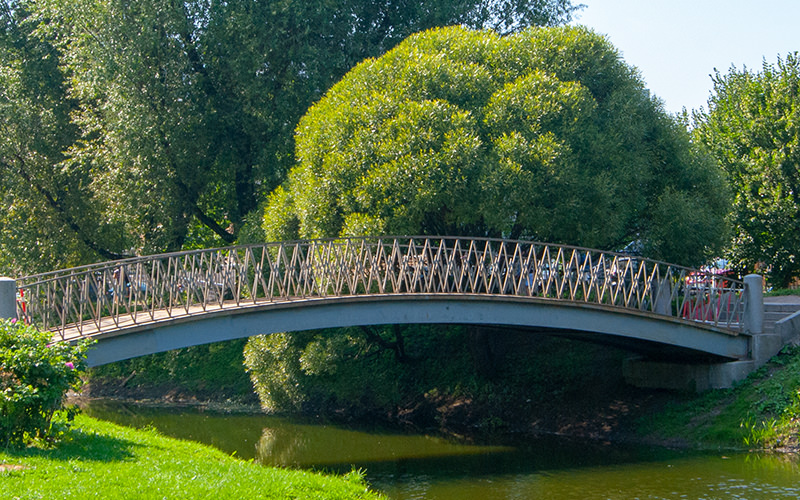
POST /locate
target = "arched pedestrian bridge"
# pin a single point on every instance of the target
(150, 304)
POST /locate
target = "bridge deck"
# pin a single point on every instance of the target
(149, 319)
(641, 332)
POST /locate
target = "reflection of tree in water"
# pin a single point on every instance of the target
(280, 446)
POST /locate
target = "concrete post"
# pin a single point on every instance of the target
(663, 301)
(8, 298)
(754, 304)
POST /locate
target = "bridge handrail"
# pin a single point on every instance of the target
(109, 295)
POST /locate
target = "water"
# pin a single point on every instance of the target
(407, 466)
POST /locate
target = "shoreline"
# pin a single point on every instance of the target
(618, 423)
(598, 431)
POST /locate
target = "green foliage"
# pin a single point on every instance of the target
(416, 375)
(760, 434)
(140, 127)
(49, 217)
(274, 366)
(323, 371)
(752, 129)
(212, 371)
(35, 375)
(776, 292)
(545, 134)
(355, 370)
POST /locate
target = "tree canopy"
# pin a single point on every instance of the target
(138, 127)
(545, 134)
(752, 128)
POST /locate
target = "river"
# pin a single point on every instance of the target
(412, 466)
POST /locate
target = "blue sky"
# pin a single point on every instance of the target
(676, 44)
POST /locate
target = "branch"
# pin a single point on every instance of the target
(213, 225)
(397, 347)
(62, 212)
(191, 201)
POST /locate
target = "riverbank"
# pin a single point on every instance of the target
(532, 385)
(763, 412)
(760, 413)
(101, 460)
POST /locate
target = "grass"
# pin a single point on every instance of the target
(762, 412)
(98, 459)
(782, 291)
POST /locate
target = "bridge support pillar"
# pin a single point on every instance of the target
(8, 298)
(763, 345)
(754, 304)
(641, 372)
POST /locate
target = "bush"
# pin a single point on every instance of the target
(35, 375)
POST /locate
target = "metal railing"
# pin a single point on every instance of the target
(109, 296)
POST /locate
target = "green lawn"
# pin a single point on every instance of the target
(103, 460)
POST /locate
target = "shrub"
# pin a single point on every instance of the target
(35, 374)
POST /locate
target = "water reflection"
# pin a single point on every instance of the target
(285, 443)
(408, 467)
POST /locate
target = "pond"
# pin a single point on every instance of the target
(413, 466)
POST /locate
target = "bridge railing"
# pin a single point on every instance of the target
(102, 297)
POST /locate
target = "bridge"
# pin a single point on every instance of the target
(707, 325)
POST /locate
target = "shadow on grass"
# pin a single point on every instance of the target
(79, 445)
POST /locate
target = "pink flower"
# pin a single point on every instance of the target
(70, 365)
(13, 321)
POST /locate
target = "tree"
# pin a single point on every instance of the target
(157, 136)
(49, 214)
(546, 134)
(752, 128)
(175, 119)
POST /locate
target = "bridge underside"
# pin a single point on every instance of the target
(655, 336)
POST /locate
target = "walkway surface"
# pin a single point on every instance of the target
(783, 299)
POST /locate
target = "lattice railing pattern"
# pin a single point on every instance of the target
(103, 297)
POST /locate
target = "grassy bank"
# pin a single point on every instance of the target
(762, 412)
(102, 460)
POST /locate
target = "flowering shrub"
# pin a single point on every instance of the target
(35, 375)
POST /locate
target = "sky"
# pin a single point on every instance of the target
(677, 44)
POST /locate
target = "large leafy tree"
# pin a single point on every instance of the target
(50, 215)
(167, 123)
(545, 134)
(752, 128)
